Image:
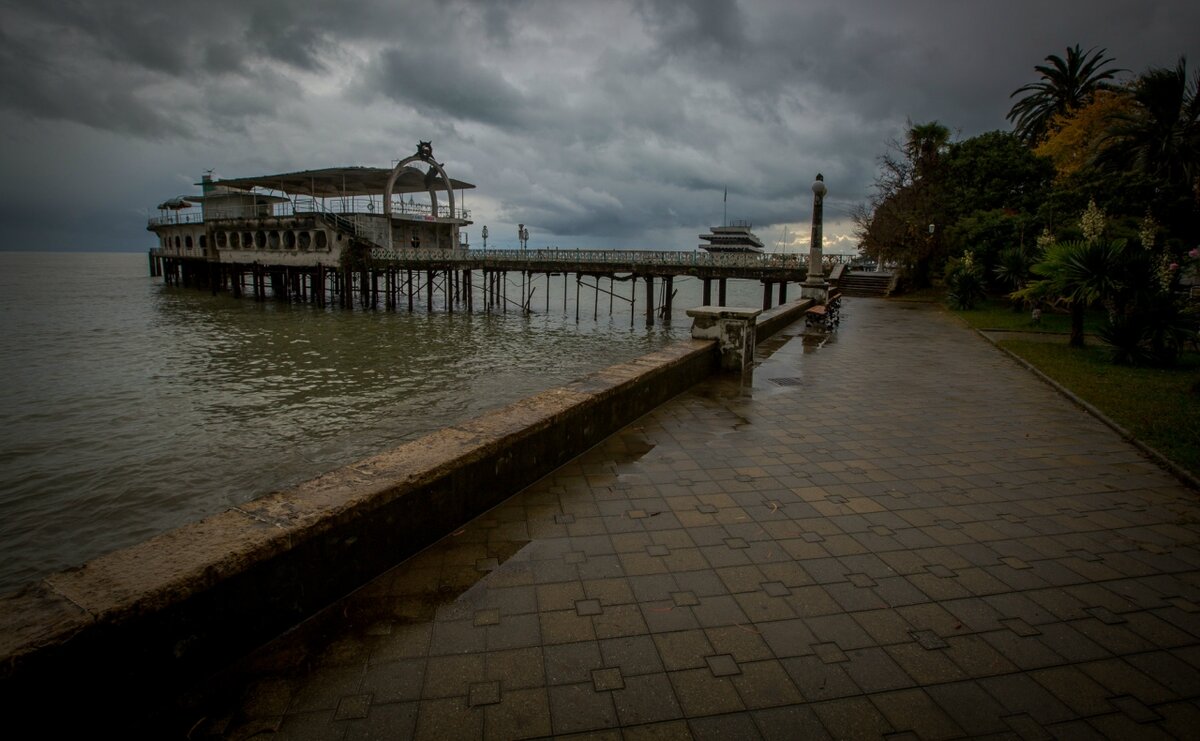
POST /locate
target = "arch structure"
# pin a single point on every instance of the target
(424, 154)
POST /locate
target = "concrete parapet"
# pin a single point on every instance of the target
(774, 320)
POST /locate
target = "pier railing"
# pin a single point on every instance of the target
(190, 217)
(619, 260)
(368, 206)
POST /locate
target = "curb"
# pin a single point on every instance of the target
(1185, 477)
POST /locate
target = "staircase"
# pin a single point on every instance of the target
(864, 284)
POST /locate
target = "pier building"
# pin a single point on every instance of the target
(304, 232)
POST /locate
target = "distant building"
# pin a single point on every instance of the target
(736, 237)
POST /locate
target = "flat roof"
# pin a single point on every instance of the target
(333, 182)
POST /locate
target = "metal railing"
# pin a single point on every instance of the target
(192, 217)
(621, 259)
(363, 205)
(348, 207)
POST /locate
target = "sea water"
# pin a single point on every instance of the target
(128, 407)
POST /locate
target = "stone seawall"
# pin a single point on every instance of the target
(139, 624)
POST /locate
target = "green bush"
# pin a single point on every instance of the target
(964, 282)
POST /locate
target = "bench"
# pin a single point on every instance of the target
(826, 316)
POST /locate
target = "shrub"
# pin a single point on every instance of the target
(964, 282)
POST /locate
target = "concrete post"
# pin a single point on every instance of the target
(732, 328)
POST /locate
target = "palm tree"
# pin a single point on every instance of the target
(924, 145)
(1160, 136)
(1066, 84)
(1079, 273)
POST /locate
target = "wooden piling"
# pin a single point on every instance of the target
(649, 300)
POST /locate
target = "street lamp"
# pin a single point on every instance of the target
(485, 237)
(814, 285)
(522, 235)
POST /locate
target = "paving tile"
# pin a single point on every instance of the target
(397, 719)
(722, 665)
(839, 629)
(633, 655)
(619, 620)
(787, 637)
(565, 626)
(396, 681)
(353, 706)
(970, 706)
(742, 642)
(1121, 678)
(913, 711)
(1028, 729)
(1169, 671)
(873, 670)
(1134, 709)
(817, 680)
(519, 714)
(608, 679)
(789, 722)
(483, 693)
(575, 708)
(925, 666)
(723, 727)
(571, 663)
(852, 717)
(520, 668)
(683, 649)
(1019, 693)
(648, 698)
(1180, 719)
(700, 693)
(448, 718)
(588, 607)
(764, 684)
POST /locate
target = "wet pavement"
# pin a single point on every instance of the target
(899, 533)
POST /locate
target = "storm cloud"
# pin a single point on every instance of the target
(617, 124)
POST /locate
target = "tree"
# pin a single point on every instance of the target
(924, 146)
(994, 170)
(894, 227)
(1160, 135)
(1066, 84)
(1080, 273)
(1075, 138)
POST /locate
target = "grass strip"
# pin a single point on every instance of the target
(1159, 406)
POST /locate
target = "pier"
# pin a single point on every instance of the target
(347, 237)
(493, 280)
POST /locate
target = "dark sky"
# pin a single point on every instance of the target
(605, 124)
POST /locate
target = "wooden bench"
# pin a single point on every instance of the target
(828, 315)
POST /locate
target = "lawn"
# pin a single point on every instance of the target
(1159, 406)
(998, 314)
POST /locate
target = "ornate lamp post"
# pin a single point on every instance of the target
(485, 237)
(522, 235)
(814, 286)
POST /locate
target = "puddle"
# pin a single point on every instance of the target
(627, 447)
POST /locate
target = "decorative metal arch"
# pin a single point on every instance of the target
(424, 154)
